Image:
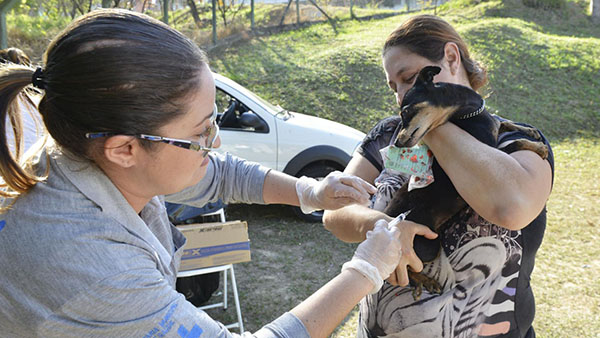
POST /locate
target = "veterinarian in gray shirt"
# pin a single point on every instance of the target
(86, 248)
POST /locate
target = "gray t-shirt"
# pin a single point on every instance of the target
(78, 261)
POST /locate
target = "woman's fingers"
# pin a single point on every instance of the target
(401, 275)
(345, 191)
(392, 278)
(425, 231)
(358, 183)
(342, 202)
(415, 263)
(339, 185)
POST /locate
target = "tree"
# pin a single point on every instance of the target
(228, 6)
(595, 9)
(194, 11)
(5, 6)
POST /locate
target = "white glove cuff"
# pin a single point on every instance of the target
(367, 270)
(304, 187)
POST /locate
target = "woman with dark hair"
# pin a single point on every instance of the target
(25, 120)
(86, 247)
(14, 55)
(488, 248)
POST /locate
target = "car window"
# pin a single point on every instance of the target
(222, 101)
(234, 114)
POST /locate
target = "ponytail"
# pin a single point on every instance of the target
(15, 87)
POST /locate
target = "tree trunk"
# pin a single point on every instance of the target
(194, 11)
(595, 10)
(77, 8)
(165, 8)
(73, 9)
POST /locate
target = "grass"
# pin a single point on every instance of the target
(568, 265)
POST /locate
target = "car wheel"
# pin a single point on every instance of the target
(317, 171)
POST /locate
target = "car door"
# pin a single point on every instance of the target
(248, 130)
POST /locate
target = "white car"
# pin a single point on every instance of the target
(294, 143)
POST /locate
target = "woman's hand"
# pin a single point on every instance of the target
(333, 192)
(377, 256)
(408, 230)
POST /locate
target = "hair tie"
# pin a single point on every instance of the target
(37, 79)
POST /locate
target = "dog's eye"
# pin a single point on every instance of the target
(405, 108)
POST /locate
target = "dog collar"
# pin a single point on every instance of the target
(475, 113)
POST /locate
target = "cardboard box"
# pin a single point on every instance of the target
(211, 244)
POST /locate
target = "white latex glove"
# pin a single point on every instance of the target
(333, 192)
(377, 256)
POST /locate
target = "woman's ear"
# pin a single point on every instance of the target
(121, 150)
(452, 57)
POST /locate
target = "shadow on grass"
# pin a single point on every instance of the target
(552, 84)
(571, 20)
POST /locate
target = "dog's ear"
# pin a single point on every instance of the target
(427, 73)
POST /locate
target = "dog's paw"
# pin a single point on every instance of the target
(432, 286)
(417, 290)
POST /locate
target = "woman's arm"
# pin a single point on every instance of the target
(280, 188)
(373, 260)
(509, 190)
(333, 192)
(351, 223)
(324, 310)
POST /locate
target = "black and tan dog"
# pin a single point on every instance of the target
(425, 106)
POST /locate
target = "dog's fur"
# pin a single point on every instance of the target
(425, 106)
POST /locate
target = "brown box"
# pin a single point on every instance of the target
(211, 244)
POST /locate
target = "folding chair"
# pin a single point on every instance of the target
(176, 212)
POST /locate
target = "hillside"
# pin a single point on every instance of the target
(543, 66)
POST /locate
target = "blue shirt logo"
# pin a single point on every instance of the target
(195, 332)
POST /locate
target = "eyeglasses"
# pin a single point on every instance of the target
(210, 134)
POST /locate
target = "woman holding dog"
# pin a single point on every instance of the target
(86, 248)
(488, 248)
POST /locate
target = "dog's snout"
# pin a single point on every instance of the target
(406, 138)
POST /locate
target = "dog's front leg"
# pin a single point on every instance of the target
(399, 202)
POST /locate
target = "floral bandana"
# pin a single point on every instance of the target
(415, 161)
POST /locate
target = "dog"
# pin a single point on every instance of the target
(426, 106)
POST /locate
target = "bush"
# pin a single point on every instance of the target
(545, 4)
(33, 33)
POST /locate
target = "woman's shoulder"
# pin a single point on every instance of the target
(377, 138)
(384, 128)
